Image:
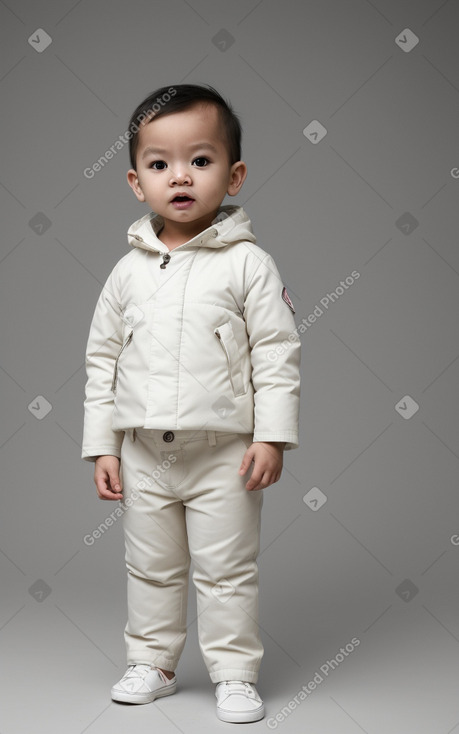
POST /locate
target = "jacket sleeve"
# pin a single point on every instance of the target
(104, 343)
(275, 356)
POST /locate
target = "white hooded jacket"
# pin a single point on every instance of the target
(201, 337)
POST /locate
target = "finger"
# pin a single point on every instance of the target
(115, 483)
(246, 461)
(107, 494)
(267, 479)
(256, 481)
(104, 490)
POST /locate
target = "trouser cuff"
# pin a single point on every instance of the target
(158, 661)
(251, 676)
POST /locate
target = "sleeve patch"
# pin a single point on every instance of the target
(287, 299)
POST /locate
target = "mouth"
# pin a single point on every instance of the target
(182, 201)
(183, 197)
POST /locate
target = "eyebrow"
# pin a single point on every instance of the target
(154, 149)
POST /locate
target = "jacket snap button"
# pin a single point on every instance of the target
(168, 436)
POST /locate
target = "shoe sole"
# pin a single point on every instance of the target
(242, 717)
(145, 697)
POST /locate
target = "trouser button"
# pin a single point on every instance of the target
(168, 436)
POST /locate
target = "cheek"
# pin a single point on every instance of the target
(149, 182)
(218, 181)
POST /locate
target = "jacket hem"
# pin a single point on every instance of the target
(91, 453)
(290, 437)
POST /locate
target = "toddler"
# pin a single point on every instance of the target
(193, 378)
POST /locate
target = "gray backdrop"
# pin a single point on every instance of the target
(350, 113)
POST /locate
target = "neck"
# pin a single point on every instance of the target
(174, 234)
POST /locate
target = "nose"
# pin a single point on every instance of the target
(180, 175)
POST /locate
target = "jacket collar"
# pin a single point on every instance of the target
(231, 225)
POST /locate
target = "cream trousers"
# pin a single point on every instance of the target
(188, 502)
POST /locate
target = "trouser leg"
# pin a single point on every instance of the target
(157, 558)
(223, 527)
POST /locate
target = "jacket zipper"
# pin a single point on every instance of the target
(166, 255)
(235, 374)
(228, 357)
(115, 370)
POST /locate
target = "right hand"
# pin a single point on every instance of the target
(107, 478)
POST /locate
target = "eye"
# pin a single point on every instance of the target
(201, 162)
(158, 165)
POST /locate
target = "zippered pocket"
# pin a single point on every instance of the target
(115, 369)
(226, 337)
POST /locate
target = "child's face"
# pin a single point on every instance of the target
(184, 153)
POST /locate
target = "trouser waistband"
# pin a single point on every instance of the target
(189, 435)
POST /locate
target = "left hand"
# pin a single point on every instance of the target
(268, 461)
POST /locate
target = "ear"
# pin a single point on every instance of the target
(133, 182)
(238, 174)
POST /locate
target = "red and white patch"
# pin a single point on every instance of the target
(287, 299)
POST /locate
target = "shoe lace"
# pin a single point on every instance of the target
(239, 686)
(136, 671)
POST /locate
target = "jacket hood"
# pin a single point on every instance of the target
(230, 226)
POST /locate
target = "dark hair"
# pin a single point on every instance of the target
(166, 100)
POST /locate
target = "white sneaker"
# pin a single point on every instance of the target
(142, 684)
(238, 702)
